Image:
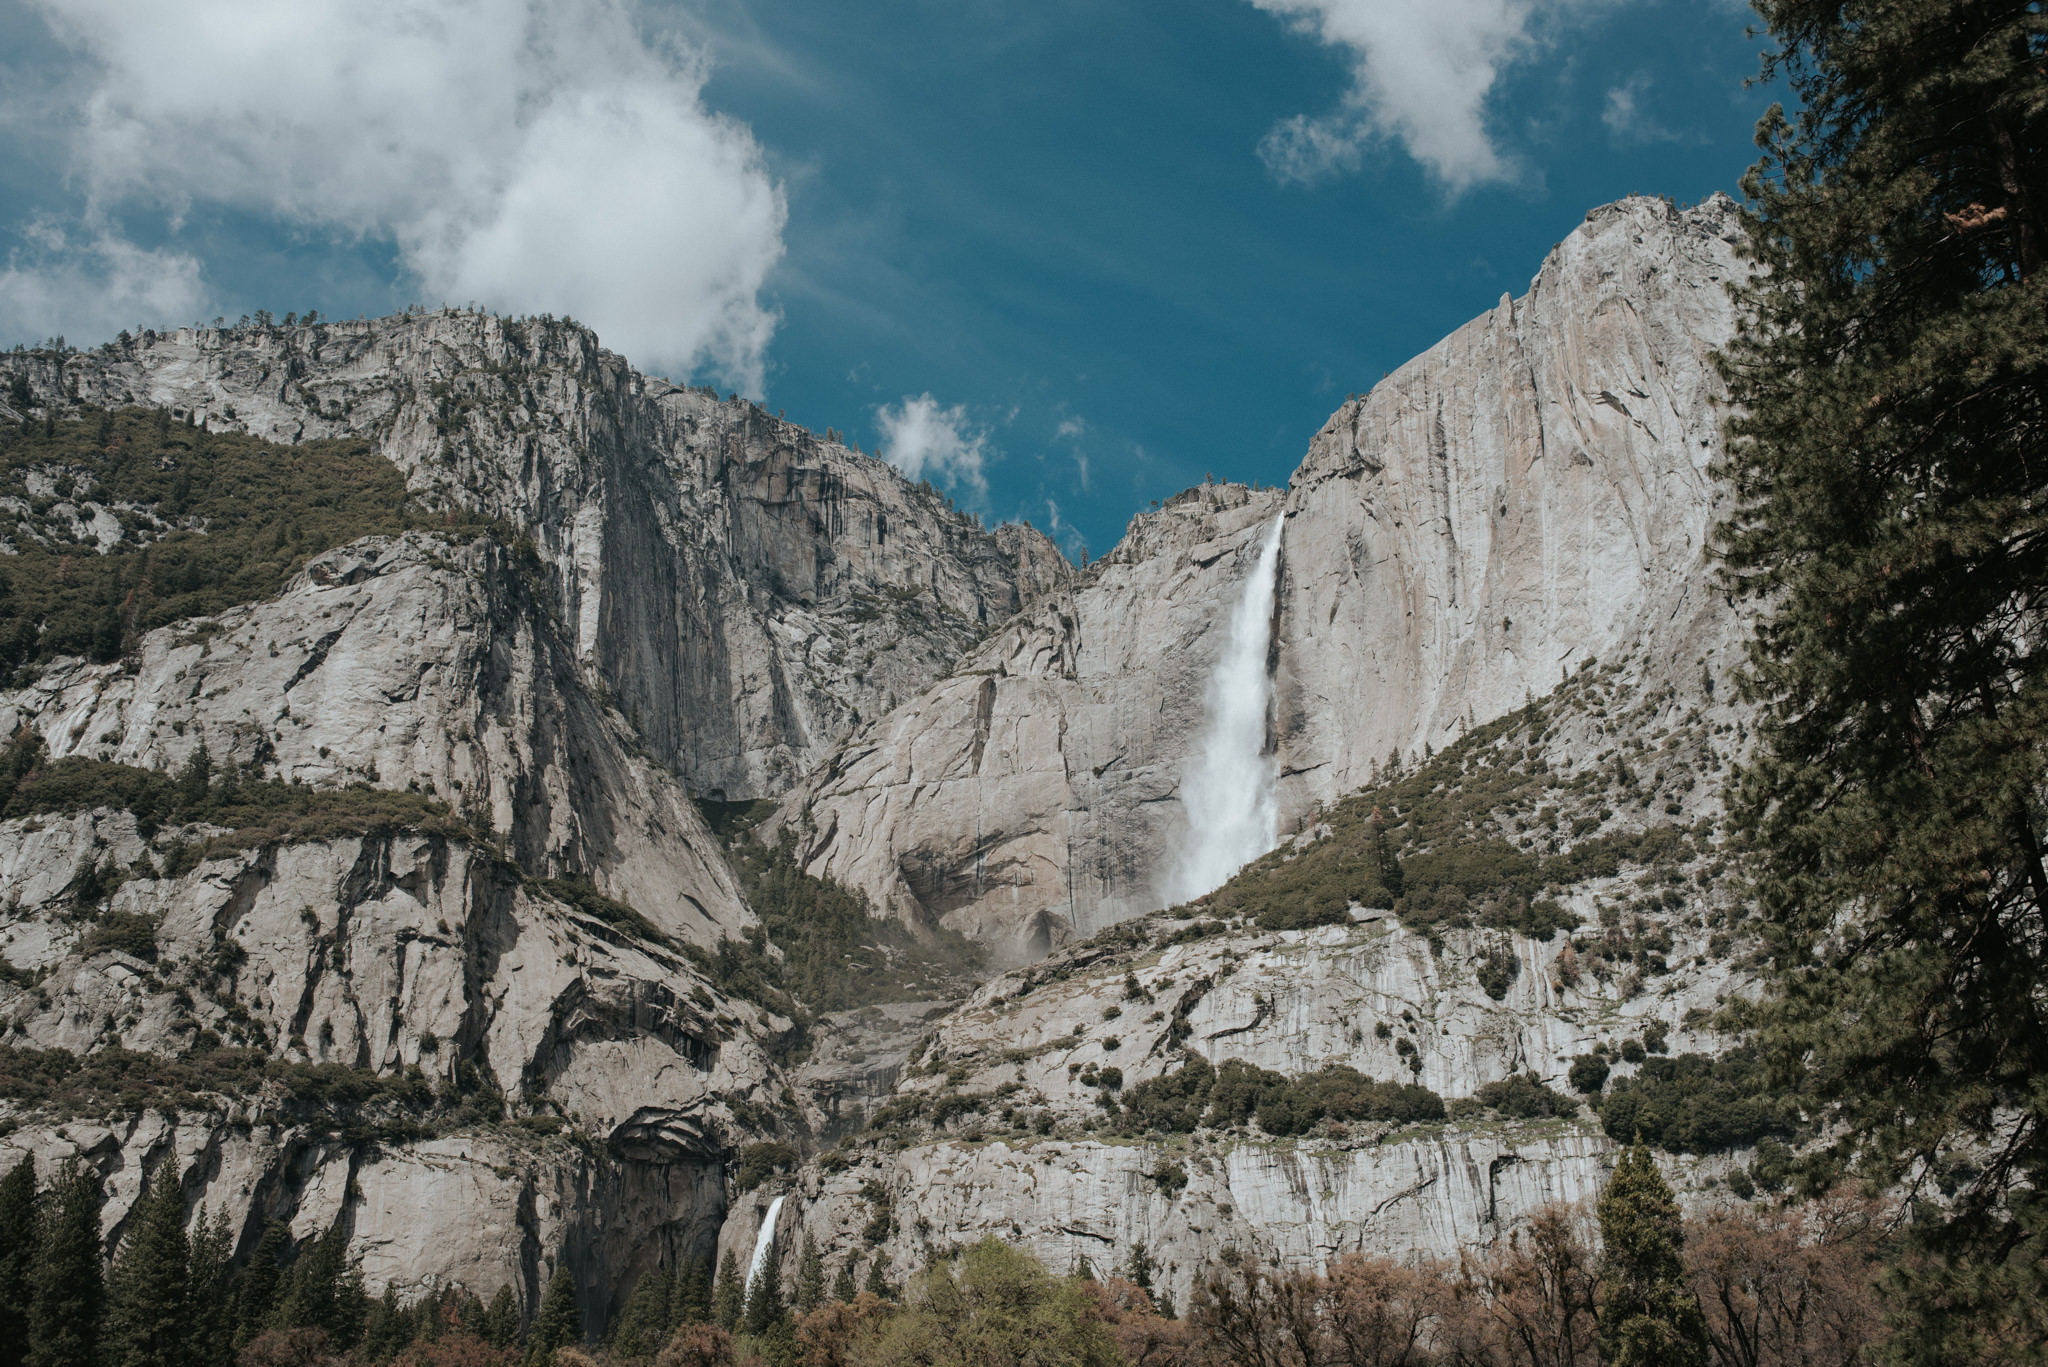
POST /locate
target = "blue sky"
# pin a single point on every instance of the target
(1062, 258)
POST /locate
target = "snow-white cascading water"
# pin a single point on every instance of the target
(1228, 793)
(763, 1242)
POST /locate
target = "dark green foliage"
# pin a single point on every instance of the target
(1196, 1094)
(837, 954)
(765, 1307)
(265, 510)
(1423, 843)
(212, 1290)
(501, 1321)
(758, 1162)
(19, 1238)
(1648, 1317)
(810, 1276)
(846, 1285)
(70, 1288)
(557, 1324)
(123, 932)
(1523, 1096)
(1888, 454)
(353, 1099)
(644, 1322)
(324, 1290)
(728, 1294)
(692, 1301)
(256, 1297)
(1588, 1074)
(149, 1295)
(584, 897)
(259, 811)
(1696, 1104)
(1497, 970)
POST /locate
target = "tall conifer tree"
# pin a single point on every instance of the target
(1891, 400)
(70, 1287)
(558, 1323)
(764, 1297)
(728, 1294)
(810, 1276)
(1648, 1316)
(19, 1237)
(149, 1300)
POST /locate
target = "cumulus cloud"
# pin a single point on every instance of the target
(534, 157)
(1420, 75)
(86, 290)
(926, 440)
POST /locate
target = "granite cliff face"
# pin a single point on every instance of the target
(1532, 493)
(686, 596)
(747, 591)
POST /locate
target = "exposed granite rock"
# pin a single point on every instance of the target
(1533, 491)
(746, 590)
(410, 663)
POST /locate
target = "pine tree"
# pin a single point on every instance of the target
(878, 1278)
(1648, 1317)
(18, 1248)
(810, 1276)
(728, 1294)
(256, 1294)
(1888, 456)
(764, 1295)
(501, 1321)
(692, 1302)
(325, 1291)
(643, 1325)
(149, 1300)
(846, 1285)
(558, 1323)
(212, 1291)
(70, 1291)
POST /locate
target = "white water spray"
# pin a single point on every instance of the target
(763, 1241)
(1233, 814)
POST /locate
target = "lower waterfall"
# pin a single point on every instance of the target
(764, 1242)
(1228, 793)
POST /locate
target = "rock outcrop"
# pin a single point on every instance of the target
(747, 591)
(1533, 492)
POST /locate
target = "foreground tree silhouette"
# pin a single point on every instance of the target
(149, 1302)
(558, 1323)
(18, 1238)
(1891, 392)
(1648, 1316)
(70, 1291)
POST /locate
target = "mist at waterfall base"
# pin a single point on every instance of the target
(1228, 793)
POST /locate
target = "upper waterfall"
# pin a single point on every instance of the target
(1228, 793)
(764, 1244)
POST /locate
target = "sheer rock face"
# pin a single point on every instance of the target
(1030, 796)
(410, 663)
(747, 591)
(390, 953)
(1532, 492)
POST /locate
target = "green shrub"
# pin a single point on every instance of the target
(1497, 972)
(1524, 1097)
(121, 932)
(1588, 1074)
(1196, 1093)
(759, 1162)
(265, 509)
(1696, 1104)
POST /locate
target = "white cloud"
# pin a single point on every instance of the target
(87, 290)
(926, 440)
(534, 156)
(1421, 72)
(1624, 115)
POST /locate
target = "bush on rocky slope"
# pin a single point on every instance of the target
(1198, 1094)
(205, 521)
(1696, 1104)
